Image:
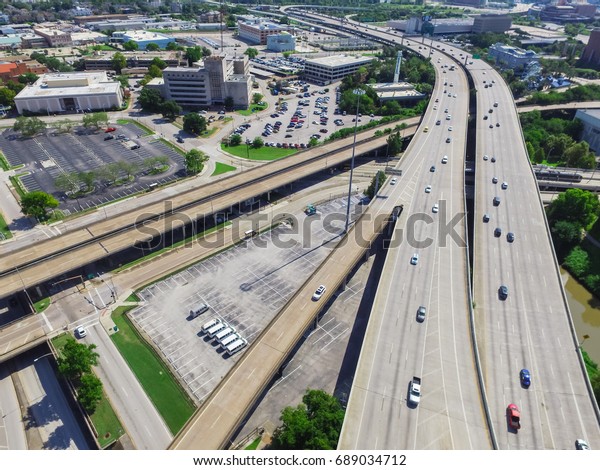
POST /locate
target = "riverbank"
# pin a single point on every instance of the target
(585, 310)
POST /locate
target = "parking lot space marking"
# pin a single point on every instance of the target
(286, 377)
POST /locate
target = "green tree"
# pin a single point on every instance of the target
(595, 382)
(315, 424)
(67, 182)
(152, 46)
(577, 262)
(87, 178)
(257, 98)
(161, 64)
(251, 52)
(37, 203)
(29, 126)
(258, 142)
(89, 392)
(150, 100)
(170, 110)
(539, 156)
(130, 46)
(193, 54)
(109, 173)
(313, 142)
(530, 150)
(394, 142)
(64, 125)
(118, 62)
(284, 20)
(575, 205)
(286, 54)
(153, 164)
(154, 71)
(194, 123)
(7, 97)
(95, 120)
(172, 46)
(28, 77)
(129, 168)
(235, 139)
(579, 156)
(194, 161)
(229, 103)
(76, 359)
(565, 235)
(378, 181)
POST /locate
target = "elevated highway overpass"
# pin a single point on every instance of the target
(531, 329)
(31, 265)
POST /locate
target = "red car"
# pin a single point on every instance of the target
(514, 416)
(110, 129)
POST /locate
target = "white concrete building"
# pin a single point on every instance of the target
(326, 70)
(77, 91)
(211, 83)
(281, 42)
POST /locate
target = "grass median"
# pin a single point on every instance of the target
(262, 153)
(164, 391)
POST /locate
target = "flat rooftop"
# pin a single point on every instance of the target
(69, 84)
(338, 60)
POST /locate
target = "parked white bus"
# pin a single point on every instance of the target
(236, 346)
(223, 333)
(229, 339)
(209, 324)
(213, 330)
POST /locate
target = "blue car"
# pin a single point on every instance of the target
(525, 377)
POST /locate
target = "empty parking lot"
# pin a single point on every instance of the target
(246, 294)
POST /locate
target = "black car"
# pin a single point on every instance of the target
(503, 292)
(432, 169)
(496, 201)
(510, 237)
(109, 137)
(180, 140)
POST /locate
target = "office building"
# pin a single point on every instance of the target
(54, 37)
(512, 57)
(136, 60)
(491, 23)
(218, 78)
(142, 38)
(77, 91)
(281, 42)
(256, 30)
(591, 127)
(591, 53)
(326, 70)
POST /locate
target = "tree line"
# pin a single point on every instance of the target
(555, 141)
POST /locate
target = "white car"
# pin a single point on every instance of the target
(504, 185)
(445, 159)
(319, 292)
(415, 259)
(435, 208)
(428, 188)
(448, 117)
(394, 181)
(80, 332)
(450, 128)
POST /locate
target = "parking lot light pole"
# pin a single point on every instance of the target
(358, 92)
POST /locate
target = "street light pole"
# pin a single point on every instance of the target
(358, 92)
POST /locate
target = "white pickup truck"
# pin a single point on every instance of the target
(414, 391)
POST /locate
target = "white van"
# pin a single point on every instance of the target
(209, 324)
(223, 333)
(229, 339)
(236, 346)
(198, 309)
(213, 330)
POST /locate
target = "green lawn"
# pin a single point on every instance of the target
(5, 232)
(254, 444)
(162, 389)
(59, 341)
(221, 168)
(4, 165)
(106, 423)
(254, 108)
(42, 304)
(263, 153)
(132, 298)
(208, 132)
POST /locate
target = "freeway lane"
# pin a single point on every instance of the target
(439, 350)
(531, 328)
